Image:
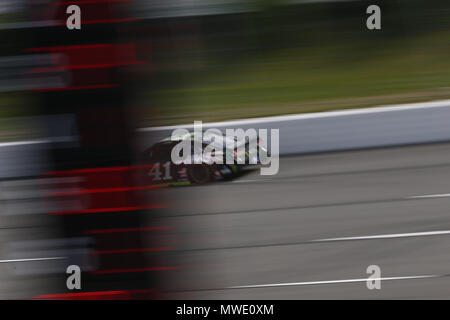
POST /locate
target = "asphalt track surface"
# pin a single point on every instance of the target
(263, 230)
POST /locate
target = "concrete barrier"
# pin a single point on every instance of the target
(342, 130)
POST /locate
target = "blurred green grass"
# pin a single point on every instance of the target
(314, 79)
(13, 106)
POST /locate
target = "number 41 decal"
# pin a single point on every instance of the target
(155, 172)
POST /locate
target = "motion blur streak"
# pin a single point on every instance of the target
(127, 230)
(131, 250)
(134, 270)
(72, 94)
(105, 190)
(81, 111)
(102, 210)
(97, 295)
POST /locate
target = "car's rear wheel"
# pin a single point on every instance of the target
(199, 174)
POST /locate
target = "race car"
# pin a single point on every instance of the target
(237, 157)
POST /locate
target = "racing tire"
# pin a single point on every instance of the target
(199, 174)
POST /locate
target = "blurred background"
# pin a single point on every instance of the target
(77, 105)
(234, 59)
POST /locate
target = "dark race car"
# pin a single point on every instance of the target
(236, 158)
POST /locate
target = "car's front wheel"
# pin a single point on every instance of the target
(199, 173)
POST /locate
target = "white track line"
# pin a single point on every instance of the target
(22, 143)
(387, 236)
(315, 115)
(39, 141)
(430, 196)
(32, 259)
(310, 283)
